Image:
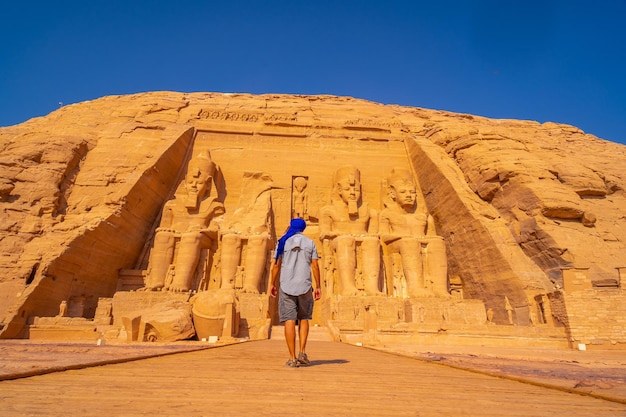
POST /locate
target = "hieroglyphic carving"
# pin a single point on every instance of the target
(372, 124)
(229, 116)
(281, 117)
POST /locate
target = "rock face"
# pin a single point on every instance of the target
(527, 218)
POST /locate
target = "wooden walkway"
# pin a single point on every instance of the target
(250, 379)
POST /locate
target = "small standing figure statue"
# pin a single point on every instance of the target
(490, 316)
(62, 309)
(300, 199)
(509, 309)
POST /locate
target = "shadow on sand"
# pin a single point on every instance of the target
(326, 362)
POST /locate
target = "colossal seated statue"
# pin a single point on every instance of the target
(187, 227)
(409, 232)
(348, 230)
(246, 236)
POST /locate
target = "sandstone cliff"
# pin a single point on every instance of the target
(526, 210)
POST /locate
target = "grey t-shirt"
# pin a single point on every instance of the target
(295, 270)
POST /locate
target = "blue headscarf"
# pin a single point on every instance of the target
(297, 225)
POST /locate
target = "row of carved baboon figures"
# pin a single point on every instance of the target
(359, 245)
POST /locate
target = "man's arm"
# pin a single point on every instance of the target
(274, 275)
(315, 268)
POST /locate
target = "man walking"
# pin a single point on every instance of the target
(295, 259)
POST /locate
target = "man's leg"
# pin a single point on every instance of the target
(290, 337)
(303, 333)
(306, 313)
(287, 310)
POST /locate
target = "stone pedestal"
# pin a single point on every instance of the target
(153, 316)
(254, 321)
(438, 311)
(372, 316)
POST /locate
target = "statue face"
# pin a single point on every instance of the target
(405, 193)
(197, 184)
(349, 190)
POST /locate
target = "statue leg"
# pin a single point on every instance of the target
(327, 278)
(436, 266)
(255, 262)
(345, 253)
(411, 254)
(160, 259)
(186, 261)
(230, 259)
(370, 250)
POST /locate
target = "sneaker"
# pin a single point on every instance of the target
(303, 359)
(292, 363)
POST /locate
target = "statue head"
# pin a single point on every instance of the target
(402, 188)
(347, 184)
(347, 187)
(198, 180)
(299, 183)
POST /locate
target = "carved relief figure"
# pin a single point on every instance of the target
(348, 229)
(410, 232)
(186, 228)
(300, 198)
(245, 236)
(62, 309)
(509, 309)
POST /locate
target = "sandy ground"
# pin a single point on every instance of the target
(23, 358)
(598, 373)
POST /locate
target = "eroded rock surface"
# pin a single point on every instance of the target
(531, 215)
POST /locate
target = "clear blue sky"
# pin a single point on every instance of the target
(560, 61)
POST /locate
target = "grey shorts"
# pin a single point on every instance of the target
(295, 307)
